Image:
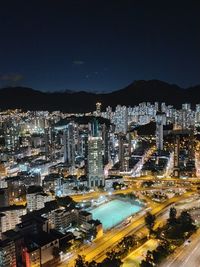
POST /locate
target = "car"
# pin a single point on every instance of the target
(187, 242)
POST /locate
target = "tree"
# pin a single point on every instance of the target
(92, 264)
(150, 221)
(147, 183)
(162, 250)
(145, 263)
(155, 255)
(149, 256)
(116, 185)
(186, 222)
(172, 216)
(111, 261)
(128, 241)
(80, 261)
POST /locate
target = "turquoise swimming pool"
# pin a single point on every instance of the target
(114, 212)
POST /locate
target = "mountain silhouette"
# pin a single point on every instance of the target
(68, 101)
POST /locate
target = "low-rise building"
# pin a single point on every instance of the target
(10, 217)
(36, 198)
(53, 182)
(84, 217)
(113, 179)
(7, 253)
(63, 217)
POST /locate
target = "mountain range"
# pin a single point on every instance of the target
(68, 101)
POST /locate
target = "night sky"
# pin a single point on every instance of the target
(98, 45)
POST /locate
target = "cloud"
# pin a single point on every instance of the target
(78, 62)
(11, 77)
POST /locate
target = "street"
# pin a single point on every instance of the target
(134, 259)
(188, 255)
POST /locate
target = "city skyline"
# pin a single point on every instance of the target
(99, 133)
(99, 189)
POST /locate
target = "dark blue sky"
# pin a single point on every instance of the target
(98, 45)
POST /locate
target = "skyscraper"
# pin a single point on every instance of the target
(160, 121)
(105, 136)
(11, 135)
(121, 119)
(46, 137)
(176, 156)
(95, 159)
(98, 109)
(69, 145)
(123, 153)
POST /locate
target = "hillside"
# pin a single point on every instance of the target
(137, 92)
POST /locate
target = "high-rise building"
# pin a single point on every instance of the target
(105, 136)
(191, 146)
(95, 158)
(123, 153)
(160, 121)
(46, 138)
(176, 156)
(98, 109)
(95, 162)
(11, 136)
(197, 114)
(121, 119)
(186, 106)
(69, 144)
(83, 144)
